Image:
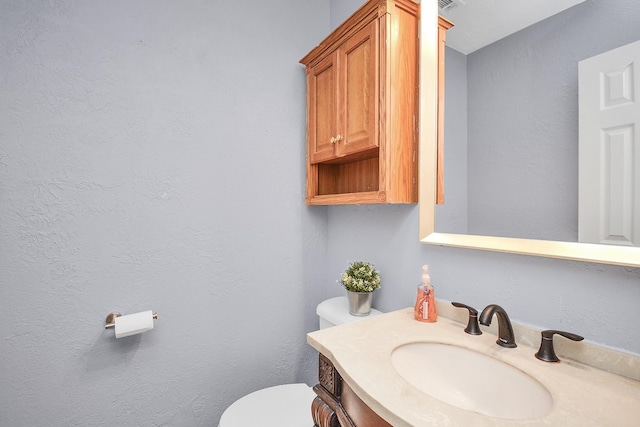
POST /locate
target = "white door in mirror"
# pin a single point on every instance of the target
(609, 147)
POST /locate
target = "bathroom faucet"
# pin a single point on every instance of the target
(505, 331)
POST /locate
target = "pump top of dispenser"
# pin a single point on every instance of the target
(426, 279)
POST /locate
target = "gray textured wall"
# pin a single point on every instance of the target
(595, 300)
(452, 215)
(152, 157)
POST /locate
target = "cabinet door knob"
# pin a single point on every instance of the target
(339, 138)
(333, 140)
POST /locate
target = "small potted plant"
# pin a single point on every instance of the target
(360, 280)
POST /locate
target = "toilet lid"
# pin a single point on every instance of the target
(336, 311)
(283, 405)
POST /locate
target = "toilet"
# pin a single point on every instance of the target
(289, 404)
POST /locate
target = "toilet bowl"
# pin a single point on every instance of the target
(288, 404)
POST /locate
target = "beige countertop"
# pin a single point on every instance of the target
(582, 395)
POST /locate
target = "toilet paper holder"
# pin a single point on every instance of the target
(110, 322)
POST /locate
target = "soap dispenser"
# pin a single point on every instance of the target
(425, 309)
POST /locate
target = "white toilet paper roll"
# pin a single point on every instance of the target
(133, 324)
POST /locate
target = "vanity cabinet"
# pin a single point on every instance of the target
(337, 405)
(362, 108)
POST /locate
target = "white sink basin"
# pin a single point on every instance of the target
(471, 380)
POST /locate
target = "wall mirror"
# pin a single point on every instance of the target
(547, 141)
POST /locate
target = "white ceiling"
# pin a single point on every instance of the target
(479, 23)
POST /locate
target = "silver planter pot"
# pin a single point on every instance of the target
(359, 303)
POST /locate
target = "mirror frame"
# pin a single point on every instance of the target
(589, 252)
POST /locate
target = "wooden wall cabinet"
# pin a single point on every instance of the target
(344, 115)
(362, 108)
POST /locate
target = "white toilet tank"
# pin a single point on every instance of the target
(287, 405)
(335, 311)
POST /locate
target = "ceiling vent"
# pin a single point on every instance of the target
(446, 5)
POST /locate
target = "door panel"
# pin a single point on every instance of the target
(323, 119)
(359, 80)
(609, 201)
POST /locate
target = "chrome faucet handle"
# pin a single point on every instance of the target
(546, 352)
(472, 326)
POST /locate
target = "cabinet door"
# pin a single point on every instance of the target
(358, 92)
(322, 84)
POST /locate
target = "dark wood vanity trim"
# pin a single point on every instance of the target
(336, 404)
